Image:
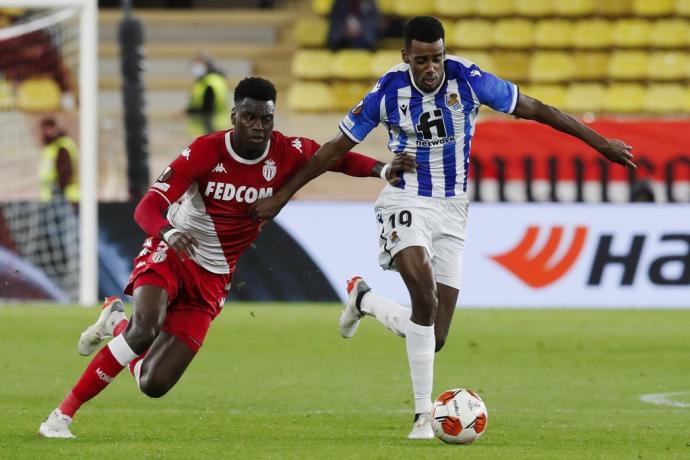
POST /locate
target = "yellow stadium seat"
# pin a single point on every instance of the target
(383, 61)
(574, 7)
(628, 65)
(534, 8)
(513, 33)
(549, 94)
(551, 67)
(386, 6)
(668, 65)
(557, 33)
(473, 33)
(311, 32)
(613, 7)
(511, 65)
(683, 7)
(666, 98)
(6, 95)
(624, 98)
(592, 33)
(38, 95)
(322, 7)
(590, 65)
(352, 64)
(453, 8)
(653, 7)
(347, 94)
(584, 97)
(312, 64)
(481, 58)
(495, 8)
(310, 97)
(630, 33)
(671, 33)
(414, 7)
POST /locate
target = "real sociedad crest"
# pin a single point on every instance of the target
(269, 169)
(453, 101)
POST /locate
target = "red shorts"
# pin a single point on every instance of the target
(195, 295)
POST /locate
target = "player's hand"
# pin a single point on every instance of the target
(619, 152)
(401, 163)
(183, 244)
(266, 208)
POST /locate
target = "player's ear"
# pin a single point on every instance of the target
(233, 116)
(405, 58)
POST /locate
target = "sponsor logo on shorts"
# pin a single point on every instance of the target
(395, 239)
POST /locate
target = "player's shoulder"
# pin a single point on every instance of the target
(206, 148)
(289, 145)
(458, 66)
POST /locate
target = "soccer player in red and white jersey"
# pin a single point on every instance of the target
(183, 273)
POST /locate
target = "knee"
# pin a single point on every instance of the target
(140, 336)
(153, 387)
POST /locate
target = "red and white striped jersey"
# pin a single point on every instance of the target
(219, 187)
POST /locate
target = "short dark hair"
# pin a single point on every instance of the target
(425, 29)
(256, 88)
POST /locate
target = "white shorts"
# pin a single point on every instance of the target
(436, 224)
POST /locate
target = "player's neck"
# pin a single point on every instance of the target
(242, 151)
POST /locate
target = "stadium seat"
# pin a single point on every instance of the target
(38, 95)
(481, 58)
(584, 97)
(592, 33)
(534, 8)
(653, 7)
(630, 33)
(322, 7)
(312, 64)
(574, 7)
(670, 33)
(549, 94)
(557, 33)
(310, 97)
(495, 8)
(347, 94)
(453, 8)
(613, 8)
(513, 33)
(590, 65)
(549, 66)
(352, 64)
(311, 32)
(472, 33)
(666, 98)
(6, 95)
(414, 7)
(512, 65)
(628, 65)
(668, 65)
(683, 7)
(383, 61)
(624, 98)
(386, 6)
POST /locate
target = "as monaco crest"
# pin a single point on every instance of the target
(269, 169)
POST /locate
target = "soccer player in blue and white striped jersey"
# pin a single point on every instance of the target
(429, 105)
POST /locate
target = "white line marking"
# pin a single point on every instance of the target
(664, 398)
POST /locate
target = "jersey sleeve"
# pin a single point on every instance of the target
(363, 117)
(352, 163)
(501, 95)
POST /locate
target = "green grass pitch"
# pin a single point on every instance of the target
(277, 381)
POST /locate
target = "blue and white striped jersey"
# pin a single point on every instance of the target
(436, 128)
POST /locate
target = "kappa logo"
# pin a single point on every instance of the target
(297, 143)
(220, 168)
(539, 270)
(186, 152)
(475, 73)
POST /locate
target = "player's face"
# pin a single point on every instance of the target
(253, 120)
(426, 63)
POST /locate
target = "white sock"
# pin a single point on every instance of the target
(420, 343)
(137, 371)
(121, 351)
(392, 315)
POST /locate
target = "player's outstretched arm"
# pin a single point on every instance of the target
(327, 155)
(613, 149)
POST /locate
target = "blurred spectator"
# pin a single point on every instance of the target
(642, 192)
(353, 24)
(207, 108)
(58, 163)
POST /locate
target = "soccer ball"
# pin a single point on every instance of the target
(459, 416)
